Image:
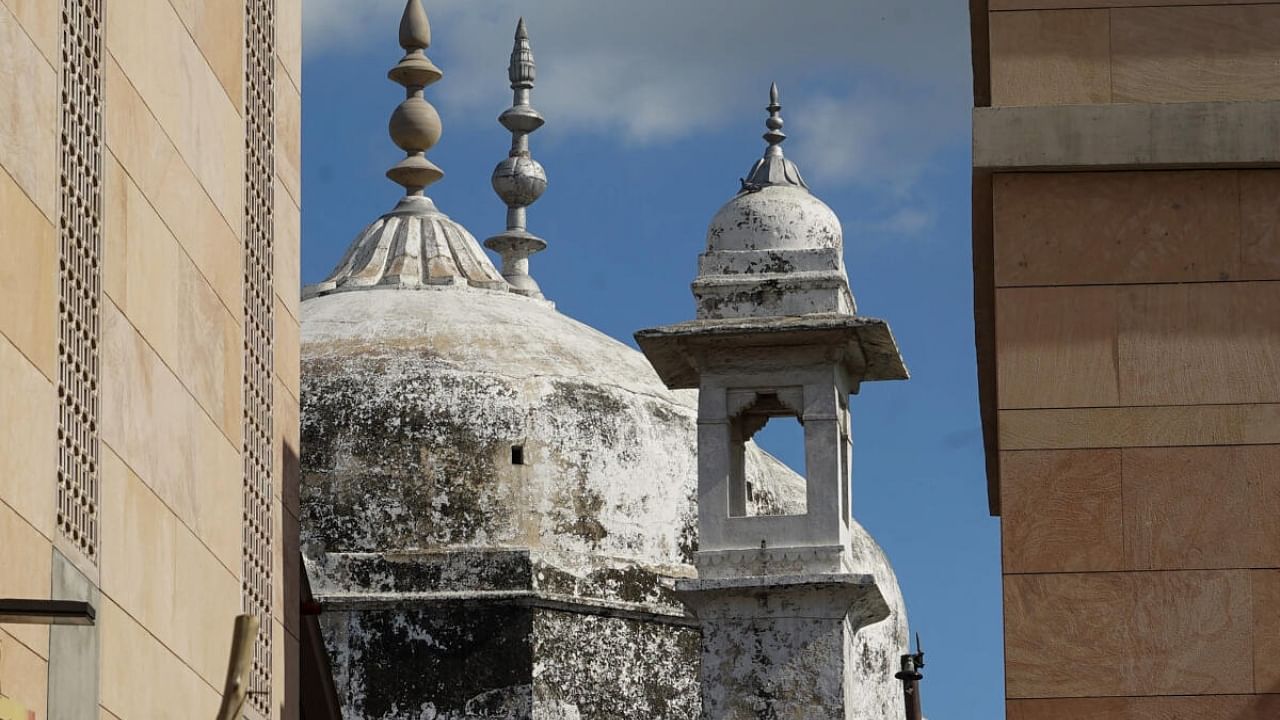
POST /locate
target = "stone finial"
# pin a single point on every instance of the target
(415, 125)
(773, 168)
(519, 180)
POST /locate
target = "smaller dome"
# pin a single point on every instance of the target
(774, 217)
(413, 246)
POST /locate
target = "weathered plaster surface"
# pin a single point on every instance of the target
(431, 550)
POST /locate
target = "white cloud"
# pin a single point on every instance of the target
(656, 70)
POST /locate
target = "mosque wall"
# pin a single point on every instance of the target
(125, 211)
(1127, 298)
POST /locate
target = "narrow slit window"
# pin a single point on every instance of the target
(517, 454)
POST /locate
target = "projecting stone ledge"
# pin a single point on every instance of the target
(870, 348)
(1127, 136)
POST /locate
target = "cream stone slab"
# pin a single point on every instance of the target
(165, 66)
(1203, 343)
(138, 549)
(218, 28)
(29, 129)
(25, 572)
(289, 39)
(288, 251)
(25, 673)
(1202, 507)
(1062, 511)
(154, 165)
(1056, 347)
(28, 440)
(179, 314)
(286, 349)
(206, 601)
(1260, 225)
(1067, 635)
(1139, 426)
(288, 136)
(285, 422)
(41, 21)
(1050, 58)
(159, 430)
(1116, 227)
(1189, 54)
(28, 278)
(149, 681)
(115, 229)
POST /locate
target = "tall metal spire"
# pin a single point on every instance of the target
(773, 168)
(519, 180)
(415, 125)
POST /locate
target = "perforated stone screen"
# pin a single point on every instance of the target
(258, 333)
(79, 281)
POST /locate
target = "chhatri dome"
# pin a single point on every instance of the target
(496, 498)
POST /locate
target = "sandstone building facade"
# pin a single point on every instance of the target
(1126, 267)
(149, 197)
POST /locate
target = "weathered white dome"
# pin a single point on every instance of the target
(457, 417)
(774, 217)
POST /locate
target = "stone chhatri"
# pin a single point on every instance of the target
(415, 245)
(782, 604)
(519, 180)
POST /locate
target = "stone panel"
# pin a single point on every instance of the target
(39, 18)
(74, 650)
(1202, 507)
(139, 549)
(206, 601)
(1260, 221)
(287, 343)
(177, 311)
(289, 39)
(28, 277)
(1056, 347)
(153, 682)
(1266, 633)
(287, 447)
(1062, 511)
(1187, 54)
(25, 570)
(1216, 707)
(288, 136)
(29, 129)
(1128, 634)
(218, 29)
(162, 434)
(1117, 227)
(28, 440)
(25, 674)
(1139, 427)
(288, 252)
(154, 165)
(1050, 58)
(1208, 343)
(168, 71)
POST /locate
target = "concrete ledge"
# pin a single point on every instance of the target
(1127, 136)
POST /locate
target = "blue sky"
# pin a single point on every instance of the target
(654, 110)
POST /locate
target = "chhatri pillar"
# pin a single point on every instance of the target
(776, 335)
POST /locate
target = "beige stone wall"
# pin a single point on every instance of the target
(171, 348)
(1133, 370)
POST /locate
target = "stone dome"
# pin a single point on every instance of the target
(774, 217)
